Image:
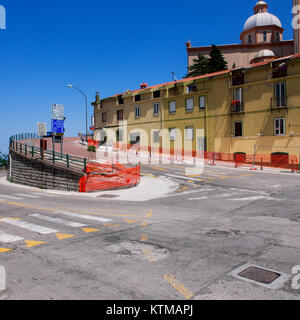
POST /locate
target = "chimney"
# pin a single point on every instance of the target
(144, 85)
(296, 25)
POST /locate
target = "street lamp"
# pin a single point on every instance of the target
(86, 108)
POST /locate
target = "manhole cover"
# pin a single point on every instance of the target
(259, 275)
(112, 239)
(221, 233)
(108, 196)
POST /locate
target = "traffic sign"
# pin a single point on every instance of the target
(42, 129)
(57, 126)
(58, 112)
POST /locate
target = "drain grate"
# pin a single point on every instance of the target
(108, 196)
(259, 275)
(268, 278)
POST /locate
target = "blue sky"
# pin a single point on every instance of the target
(110, 46)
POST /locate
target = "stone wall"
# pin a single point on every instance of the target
(39, 174)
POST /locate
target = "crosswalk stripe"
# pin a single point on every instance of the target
(59, 221)
(84, 216)
(27, 195)
(30, 226)
(8, 238)
(11, 197)
(43, 194)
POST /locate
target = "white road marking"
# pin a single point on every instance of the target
(11, 197)
(84, 216)
(27, 195)
(43, 194)
(183, 177)
(8, 238)
(29, 226)
(60, 221)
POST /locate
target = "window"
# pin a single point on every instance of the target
(191, 88)
(137, 112)
(249, 38)
(156, 109)
(120, 100)
(172, 107)
(265, 36)
(237, 103)
(202, 102)
(156, 94)
(189, 104)
(119, 135)
(278, 37)
(238, 129)
(135, 138)
(120, 115)
(137, 98)
(280, 94)
(189, 133)
(104, 117)
(172, 132)
(279, 127)
(155, 136)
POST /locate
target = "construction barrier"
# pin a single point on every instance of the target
(109, 177)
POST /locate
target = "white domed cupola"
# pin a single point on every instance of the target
(262, 26)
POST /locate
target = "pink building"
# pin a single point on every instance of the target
(261, 39)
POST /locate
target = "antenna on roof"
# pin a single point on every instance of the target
(174, 77)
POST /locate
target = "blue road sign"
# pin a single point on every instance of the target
(57, 126)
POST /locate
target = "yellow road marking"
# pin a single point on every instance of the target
(144, 224)
(30, 243)
(182, 189)
(4, 250)
(224, 177)
(62, 236)
(178, 286)
(89, 230)
(130, 221)
(158, 168)
(144, 238)
(149, 255)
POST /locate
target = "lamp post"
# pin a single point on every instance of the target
(86, 109)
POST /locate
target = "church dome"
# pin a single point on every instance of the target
(264, 53)
(262, 17)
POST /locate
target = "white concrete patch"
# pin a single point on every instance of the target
(148, 189)
(254, 198)
(84, 216)
(8, 238)
(183, 177)
(59, 221)
(29, 226)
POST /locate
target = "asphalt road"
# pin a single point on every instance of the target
(183, 245)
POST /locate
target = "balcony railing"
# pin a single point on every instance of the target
(279, 102)
(237, 107)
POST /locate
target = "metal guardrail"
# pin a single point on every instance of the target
(69, 161)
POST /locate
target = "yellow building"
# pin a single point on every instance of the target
(253, 110)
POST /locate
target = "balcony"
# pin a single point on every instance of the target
(237, 107)
(279, 102)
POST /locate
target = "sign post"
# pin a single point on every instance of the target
(42, 131)
(57, 126)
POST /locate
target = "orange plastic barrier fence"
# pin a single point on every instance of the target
(121, 177)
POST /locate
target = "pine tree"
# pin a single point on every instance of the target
(203, 65)
(199, 68)
(217, 61)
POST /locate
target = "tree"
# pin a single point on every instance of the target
(199, 67)
(217, 61)
(3, 159)
(203, 65)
